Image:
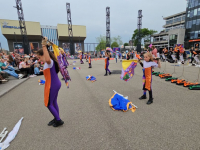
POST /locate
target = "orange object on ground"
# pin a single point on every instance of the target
(180, 82)
(187, 84)
(165, 75)
(174, 80)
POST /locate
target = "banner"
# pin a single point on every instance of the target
(179, 46)
(66, 47)
(18, 48)
(34, 47)
(78, 47)
(115, 49)
(128, 67)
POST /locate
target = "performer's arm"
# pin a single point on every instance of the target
(46, 53)
(159, 64)
(140, 63)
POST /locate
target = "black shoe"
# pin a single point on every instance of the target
(105, 74)
(51, 122)
(58, 123)
(110, 73)
(150, 101)
(143, 97)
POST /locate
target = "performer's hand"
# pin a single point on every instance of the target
(44, 41)
(50, 44)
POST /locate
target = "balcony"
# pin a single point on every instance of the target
(173, 24)
(160, 41)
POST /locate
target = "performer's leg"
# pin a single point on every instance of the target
(56, 104)
(144, 92)
(106, 72)
(52, 108)
(150, 101)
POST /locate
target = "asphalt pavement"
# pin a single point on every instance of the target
(172, 122)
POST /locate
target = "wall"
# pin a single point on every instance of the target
(33, 28)
(180, 33)
(77, 30)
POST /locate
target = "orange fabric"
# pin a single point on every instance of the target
(89, 59)
(86, 57)
(81, 57)
(105, 63)
(47, 75)
(194, 52)
(138, 56)
(182, 51)
(148, 78)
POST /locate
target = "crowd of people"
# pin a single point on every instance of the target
(19, 66)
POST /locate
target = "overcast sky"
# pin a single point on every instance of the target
(92, 14)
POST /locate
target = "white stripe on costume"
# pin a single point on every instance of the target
(46, 66)
(149, 64)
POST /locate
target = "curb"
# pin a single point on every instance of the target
(13, 87)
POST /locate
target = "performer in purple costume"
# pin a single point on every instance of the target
(107, 63)
(52, 82)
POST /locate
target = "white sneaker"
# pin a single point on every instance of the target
(20, 76)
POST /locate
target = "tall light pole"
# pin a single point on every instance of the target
(139, 28)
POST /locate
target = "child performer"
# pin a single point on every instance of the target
(89, 58)
(147, 75)
(53, 84)
(81, 58)
(107, 63)
(86, 57)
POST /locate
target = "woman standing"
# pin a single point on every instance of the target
(52, 84)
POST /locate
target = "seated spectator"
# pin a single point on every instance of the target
(24, 67)
(37, 70)
(10, 60)
(2, 80)
(10, 70)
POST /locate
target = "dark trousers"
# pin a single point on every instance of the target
(27, 70)
(41, 73)
(90, 66)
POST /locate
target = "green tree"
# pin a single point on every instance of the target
(126, 44)
(102, 43)
(114, 44)
(117, 39)
(144, 33)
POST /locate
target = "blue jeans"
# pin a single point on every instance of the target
(11, 72)
(11, 68)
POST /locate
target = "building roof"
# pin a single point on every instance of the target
(178, 14)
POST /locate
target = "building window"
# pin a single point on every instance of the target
(195, 12)
(198, 22)
(169, 21)
(196, 34)
(191, 13)
(199, 34)
(190, 24)
(196, 3)
(192, 35)
(194, 21)
(188, 15)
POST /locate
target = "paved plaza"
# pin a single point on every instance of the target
(170, 123)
